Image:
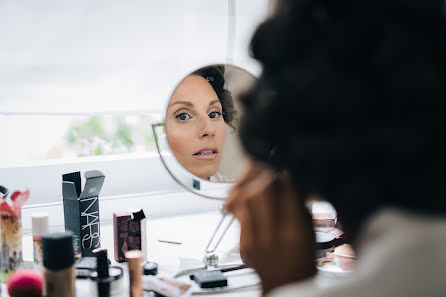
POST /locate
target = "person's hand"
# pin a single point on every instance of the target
(277, 237)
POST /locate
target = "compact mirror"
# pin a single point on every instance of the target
(198, 138)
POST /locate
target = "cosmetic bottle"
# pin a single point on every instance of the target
(40, 228)
(58, 260)
(134, 258)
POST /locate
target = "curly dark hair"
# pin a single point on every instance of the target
(351, 102)
(215, 76)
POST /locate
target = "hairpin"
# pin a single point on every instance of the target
(209, 78)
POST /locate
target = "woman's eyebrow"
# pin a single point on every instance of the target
(213, 102)
(187, 103)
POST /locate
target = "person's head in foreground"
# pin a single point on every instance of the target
(196, 119)
(351, 104)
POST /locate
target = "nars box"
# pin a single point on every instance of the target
(81, 209)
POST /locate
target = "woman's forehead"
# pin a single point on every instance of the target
(194, 90)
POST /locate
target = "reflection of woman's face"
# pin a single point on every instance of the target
(195, 126)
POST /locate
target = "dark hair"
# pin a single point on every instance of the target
(215, 76)
(351, 102)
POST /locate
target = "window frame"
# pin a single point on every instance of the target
(148, 186)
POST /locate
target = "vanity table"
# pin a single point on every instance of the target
(192, 231)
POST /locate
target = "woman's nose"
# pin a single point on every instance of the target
(207, 128)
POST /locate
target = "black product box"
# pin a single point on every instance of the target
(81, 210)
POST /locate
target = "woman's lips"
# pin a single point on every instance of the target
(206, 154)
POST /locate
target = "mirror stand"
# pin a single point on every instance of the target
(211, 259)
(198, 143)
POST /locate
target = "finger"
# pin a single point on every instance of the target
(252, 174)
(257, 194)
(249, 174)
(257, 183)
(234, 192)
(250, 185)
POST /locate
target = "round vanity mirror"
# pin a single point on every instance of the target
(198, 138)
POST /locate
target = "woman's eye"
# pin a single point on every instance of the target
(214, 114)
(183, 116)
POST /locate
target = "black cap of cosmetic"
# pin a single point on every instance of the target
(150, 268)
(58, 250)
(3, 192)
(102, 264)
(139, 215)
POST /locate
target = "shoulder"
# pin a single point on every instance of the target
(400, 254)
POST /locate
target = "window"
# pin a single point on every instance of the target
(81, 81)
(37, 138)
(114, 56)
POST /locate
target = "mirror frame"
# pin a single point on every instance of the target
(158, 147)
(198, 192)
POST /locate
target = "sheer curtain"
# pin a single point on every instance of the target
(96, 56)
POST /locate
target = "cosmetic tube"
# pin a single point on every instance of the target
(134, 258)
(59, 273)
(40, 228)
(115, 279)
(103, 274)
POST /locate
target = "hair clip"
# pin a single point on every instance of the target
(209, 78)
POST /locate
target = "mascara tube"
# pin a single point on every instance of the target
(103, 274)
(106, 281)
